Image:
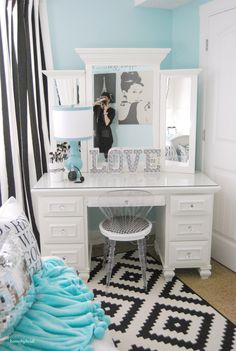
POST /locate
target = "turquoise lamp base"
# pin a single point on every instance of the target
(73, 162)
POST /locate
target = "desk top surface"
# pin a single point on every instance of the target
(130, 180)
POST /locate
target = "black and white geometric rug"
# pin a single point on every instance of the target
(169, 317)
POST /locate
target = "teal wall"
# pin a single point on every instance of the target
(185, 35)
(104, 23)
(117, 23)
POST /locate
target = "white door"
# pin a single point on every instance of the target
(218, 59)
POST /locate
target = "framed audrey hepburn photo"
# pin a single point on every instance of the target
(135, 97)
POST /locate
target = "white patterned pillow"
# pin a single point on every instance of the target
(16, 288)
(3, 234)
(14, 221)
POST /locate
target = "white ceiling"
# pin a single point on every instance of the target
(163, 4)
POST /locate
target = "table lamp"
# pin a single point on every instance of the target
(73, 124)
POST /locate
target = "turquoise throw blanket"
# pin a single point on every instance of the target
(64, 316)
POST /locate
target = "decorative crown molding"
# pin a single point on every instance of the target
(162, 4)
(122, 56)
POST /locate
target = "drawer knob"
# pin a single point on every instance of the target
(190, 228)
(62, 207)
(126, 202)
(192, 205)
(188, 254)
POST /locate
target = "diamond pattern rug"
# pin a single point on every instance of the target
(169, 317)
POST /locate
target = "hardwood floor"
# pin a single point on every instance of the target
(219, 290)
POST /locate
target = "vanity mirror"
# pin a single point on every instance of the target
(131, 76)
(178, 109)
(66, 87)
(125, 95)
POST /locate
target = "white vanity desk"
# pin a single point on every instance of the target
(184, 208)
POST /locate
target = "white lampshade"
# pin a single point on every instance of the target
(72, 122)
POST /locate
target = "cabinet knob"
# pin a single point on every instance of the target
(192, 205)
(188, 254)
(190, 228)
(126, 202)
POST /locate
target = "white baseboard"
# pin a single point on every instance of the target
(224, 251)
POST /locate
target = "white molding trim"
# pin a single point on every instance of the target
(215, 6)
(181, 72)
(162, 4)
(229, 247)
(55, 73)
(122, 56)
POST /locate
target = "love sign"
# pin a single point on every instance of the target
(120, 159)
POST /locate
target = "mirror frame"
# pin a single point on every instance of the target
(175, 166)
(124, 57)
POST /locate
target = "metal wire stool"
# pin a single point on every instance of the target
(125, 212)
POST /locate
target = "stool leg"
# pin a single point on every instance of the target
(142, 259)
(145, 252)
(105, 251)
(110, 261)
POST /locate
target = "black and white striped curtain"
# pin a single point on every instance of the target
(24, 131)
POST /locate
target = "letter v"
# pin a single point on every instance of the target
(132, 166)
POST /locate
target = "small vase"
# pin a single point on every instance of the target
(56, 171)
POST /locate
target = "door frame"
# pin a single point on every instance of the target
(219, 244)
(205, 11)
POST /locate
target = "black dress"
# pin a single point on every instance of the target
(103, 138)
(131, 116)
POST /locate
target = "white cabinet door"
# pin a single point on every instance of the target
(218, 59)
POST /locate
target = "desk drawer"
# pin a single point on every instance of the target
(188, 254)
(64, 206)
(74, 255)
(126, 201)
(62, 230)
(190, 228)
(191, 204)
